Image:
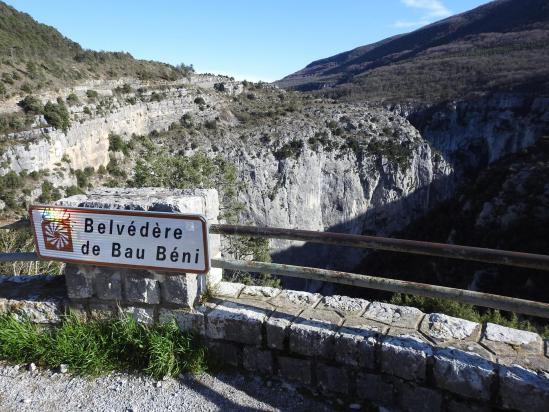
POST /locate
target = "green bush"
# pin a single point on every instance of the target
(13, 122)
(200, 101)
(26, 87)
(92, 94)
(186, 120)
(220, 87)
(210, 124)
(31, 104)
(73, 190)
(72, 99)
(11, 180)
(292, 149)
(95, 347)
(49, 193)
(83, 177)
(6, 78)
(157, 97)
(116, 143)
(124, 89)
(57, 115)
(114, 170)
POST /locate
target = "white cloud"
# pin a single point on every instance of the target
(434, 8)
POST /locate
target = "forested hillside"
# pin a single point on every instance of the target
(500, 46)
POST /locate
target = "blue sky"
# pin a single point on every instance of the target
(256, 40)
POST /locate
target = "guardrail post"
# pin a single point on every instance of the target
(141, 292)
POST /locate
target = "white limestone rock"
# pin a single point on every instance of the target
(444, 328)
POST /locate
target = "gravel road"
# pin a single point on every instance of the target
(44, 390)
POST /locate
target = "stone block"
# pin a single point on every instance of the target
(332, 379)
(224, 352)
(523, 390)
(464, 373)
(78, 310)
(108, 284)
(405, 356)
(228, 289)
(444, 328)
(295, 298)
(141, 315)
(102, 311)
(472, 347)
(394, 315)
(344, 305)
(372, 387)
(258, 360)
(356, 342)
(203, 201)
(79, 281)
(214, 277)
(538, 363)
(181, 289)
(413, 398)
(259, 292)
(43, 311)
(188, 320)
(294, 369)
(140, 289)
(312, 333)
(277, 326)
(236, 322)
(214, 245)
(506, 341)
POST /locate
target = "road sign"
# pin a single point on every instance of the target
(122, 238)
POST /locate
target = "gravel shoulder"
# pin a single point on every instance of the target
(44, 390)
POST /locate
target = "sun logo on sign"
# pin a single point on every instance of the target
(56, 230)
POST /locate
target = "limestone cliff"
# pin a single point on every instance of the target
(310, 164)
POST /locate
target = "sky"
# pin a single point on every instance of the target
(248, 39)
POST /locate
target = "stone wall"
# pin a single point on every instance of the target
(392, 355)
(367, 352)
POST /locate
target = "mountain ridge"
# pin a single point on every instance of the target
(35, 56)
(503, 42)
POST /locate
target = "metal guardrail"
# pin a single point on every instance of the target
(502, 257)
(526, 307)
(494, 256)
(527, 260)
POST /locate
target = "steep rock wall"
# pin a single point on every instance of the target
(354, 192)
(86, 143)
(475, 132)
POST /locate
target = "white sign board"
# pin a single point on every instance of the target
(146, 240)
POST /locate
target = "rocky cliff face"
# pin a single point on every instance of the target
(506, 207)
(304, 163)
(86, 142)
(338, 167)
(475, 132)
(312, 164)
(351, 193)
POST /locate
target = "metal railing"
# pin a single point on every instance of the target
(494, 256)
